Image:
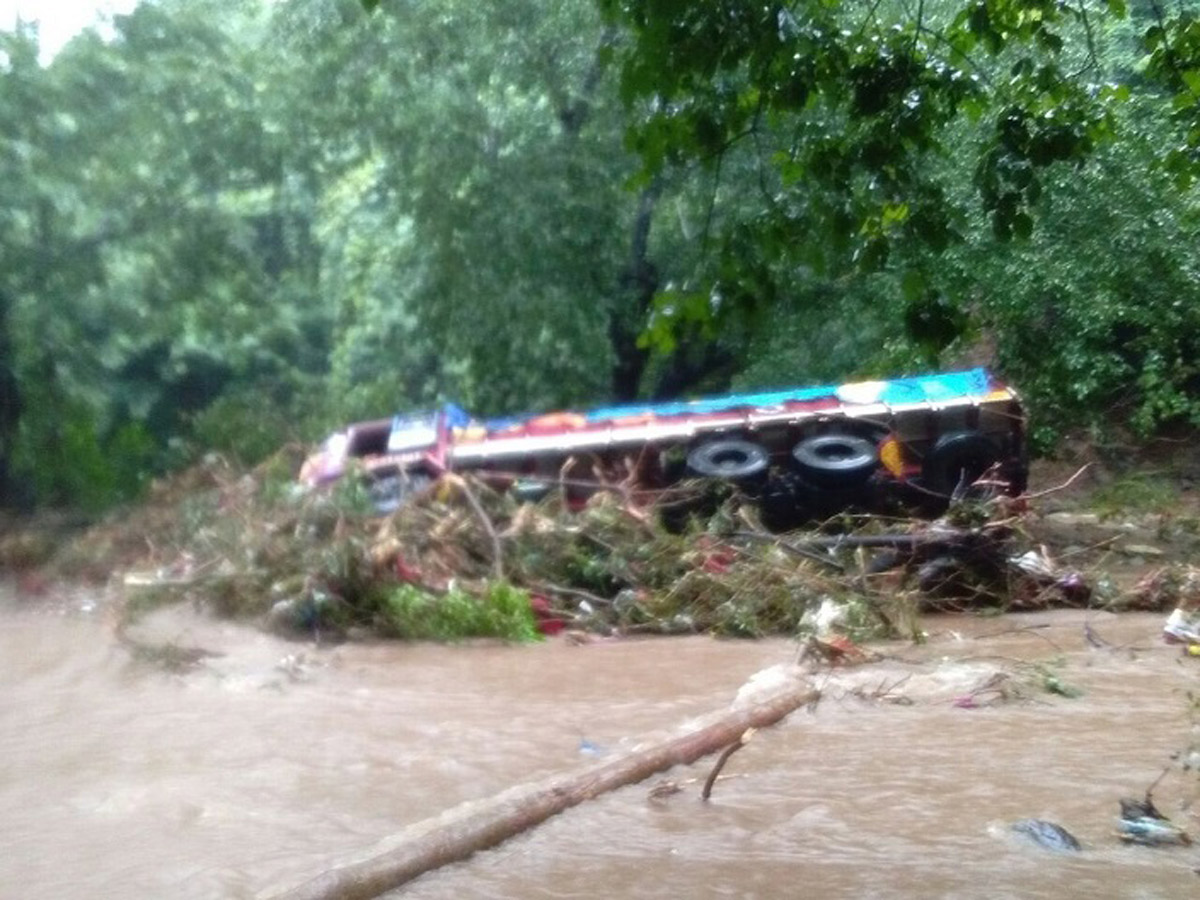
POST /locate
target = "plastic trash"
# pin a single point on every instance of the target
(1182, 627)
(1142, 823)
(588, 748)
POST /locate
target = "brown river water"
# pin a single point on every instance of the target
(274, 761)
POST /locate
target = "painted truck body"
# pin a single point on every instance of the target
(931, 433)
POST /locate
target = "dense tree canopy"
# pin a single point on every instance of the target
(228, 225)
(969, 165)
(862, 120)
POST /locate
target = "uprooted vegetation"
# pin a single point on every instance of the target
(462, 560)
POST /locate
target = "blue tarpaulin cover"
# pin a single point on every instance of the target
(931, 388)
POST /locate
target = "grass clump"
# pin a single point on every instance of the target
(1137, 494)
(500, 611)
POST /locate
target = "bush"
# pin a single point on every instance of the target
(71, 464)
(503, 611)
(245, 426)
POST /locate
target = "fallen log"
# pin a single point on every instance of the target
(458, 834)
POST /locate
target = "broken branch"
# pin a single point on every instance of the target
(477, 508)
(722, 759)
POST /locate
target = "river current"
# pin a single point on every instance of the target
(271, 762)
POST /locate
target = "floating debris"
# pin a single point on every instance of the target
(1142, 823)
(1170, 586)
(1047, 835)
(664, 789)
(1182, 627)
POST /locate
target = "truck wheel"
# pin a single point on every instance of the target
(731, 459)
(958, 458)
(836, 460)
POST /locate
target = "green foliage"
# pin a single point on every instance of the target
(1098, 318)
(1173, 44)
(1136, 494)
(974, 163)
(73, 464)
(848, 106)
(831, 331)
(476, 242)
(250, 425)
(153, 226)
(503, 611)
(1052, 683)
(228, 225)
(70, 463)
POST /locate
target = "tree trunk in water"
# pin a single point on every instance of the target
(472, 827)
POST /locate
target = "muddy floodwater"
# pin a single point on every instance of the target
(273, 761)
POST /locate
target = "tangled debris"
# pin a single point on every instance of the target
(461, 559)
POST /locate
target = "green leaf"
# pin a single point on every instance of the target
(1022, 225)
(913, 285)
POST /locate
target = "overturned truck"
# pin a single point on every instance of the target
(799, 452)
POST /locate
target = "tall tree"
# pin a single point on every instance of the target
(906, 150)
(156, 254)
(483, 233)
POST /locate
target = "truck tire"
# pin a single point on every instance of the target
(958, 458)
(730, 458)
(836, 460)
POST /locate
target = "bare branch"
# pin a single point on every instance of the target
(722, 759)
(497, 549)
(1066, 484)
